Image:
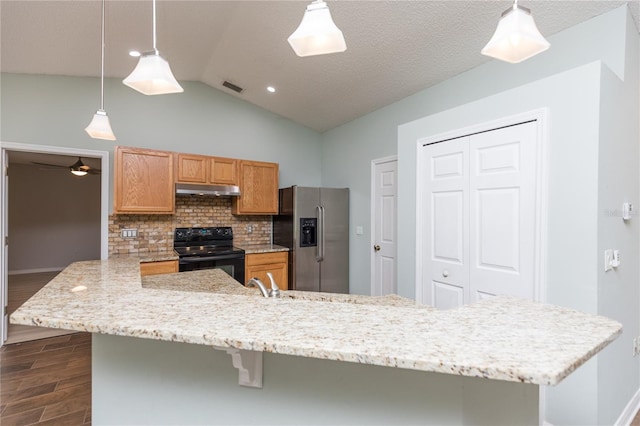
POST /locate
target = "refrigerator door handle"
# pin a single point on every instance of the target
(320, 246)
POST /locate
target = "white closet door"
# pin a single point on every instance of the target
(502, 212)
(479, 203)
(445, 241)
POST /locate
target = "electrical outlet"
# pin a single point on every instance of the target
(249, 229)
(636, 346)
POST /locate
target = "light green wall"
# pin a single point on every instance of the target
(348, 150)
(52, 110)
(587, 78)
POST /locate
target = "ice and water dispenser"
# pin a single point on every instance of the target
(308, 232)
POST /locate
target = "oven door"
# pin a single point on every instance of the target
(232, 264)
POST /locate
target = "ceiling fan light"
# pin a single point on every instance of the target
(153, 76)
(78, 168)
(516, 38)
(100, 128)
(317, 34)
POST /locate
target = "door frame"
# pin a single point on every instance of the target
(372, 234)
(104, 207)
(541, 116)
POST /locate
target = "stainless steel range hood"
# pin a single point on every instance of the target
(210, 190)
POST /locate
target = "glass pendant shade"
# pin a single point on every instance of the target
(153, 76)
(317, 34)
(516, 38)
(99, 128)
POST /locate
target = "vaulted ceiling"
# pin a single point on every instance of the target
(395, 48)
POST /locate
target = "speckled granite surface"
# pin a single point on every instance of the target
(262, 248)
(502, 338)
(155, 256)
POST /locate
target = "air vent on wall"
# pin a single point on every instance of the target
(232, 87)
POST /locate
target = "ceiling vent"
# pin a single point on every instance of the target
(232, 87)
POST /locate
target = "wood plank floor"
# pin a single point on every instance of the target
(46, 382)
(21, 288)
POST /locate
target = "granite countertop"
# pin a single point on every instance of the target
(502, 338)
(262, 248)
(149, 256)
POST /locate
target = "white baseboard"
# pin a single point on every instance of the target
(36, 270)
(629, 411)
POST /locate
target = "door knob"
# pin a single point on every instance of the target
(376, 247)
(445, 273)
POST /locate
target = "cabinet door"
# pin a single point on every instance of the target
(223, 171)
(257, 265)
(144, 181)
(192, 168)
(259, 188)
(160, 267)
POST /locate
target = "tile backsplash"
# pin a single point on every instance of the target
(155, 232)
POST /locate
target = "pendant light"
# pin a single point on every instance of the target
(152, 75)
(516, 38)
(317, 34)
(99, 128)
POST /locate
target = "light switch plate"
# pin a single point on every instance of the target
(608, 260)
(359, 230)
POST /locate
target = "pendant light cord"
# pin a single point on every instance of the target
(154, 28)
(102, 61)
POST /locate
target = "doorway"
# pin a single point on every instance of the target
(384, 204)
(52, 217)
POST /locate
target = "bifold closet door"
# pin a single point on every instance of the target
(479, 216)
(502, 184)
(446, 234)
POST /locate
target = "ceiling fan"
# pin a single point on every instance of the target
(78, 168)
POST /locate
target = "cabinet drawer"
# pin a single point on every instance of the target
(266, 258)
(156, 268)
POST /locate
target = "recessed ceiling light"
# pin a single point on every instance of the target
(134, 53)
(271, 89)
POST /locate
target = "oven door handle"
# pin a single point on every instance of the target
(196, 259)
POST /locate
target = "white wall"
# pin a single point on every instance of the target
(54, 218)
(53, 110)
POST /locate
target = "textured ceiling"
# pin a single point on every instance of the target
(395, 48)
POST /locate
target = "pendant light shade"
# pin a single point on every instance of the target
(99, 128)
(516, 38)
(317, 34)
(152, 75)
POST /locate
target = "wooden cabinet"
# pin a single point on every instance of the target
(156, 268)
(204, 169)
(258, 183)
(257, 265)
(144, 181)
(223, 171)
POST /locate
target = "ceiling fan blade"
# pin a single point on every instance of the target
(50, 165)
(93, 171)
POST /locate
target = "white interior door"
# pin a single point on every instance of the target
(479, 206)
(4, 249)
(502, 211)
(384, 224)
(445, 241)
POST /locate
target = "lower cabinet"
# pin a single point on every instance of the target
(257, 265)
(156, 268)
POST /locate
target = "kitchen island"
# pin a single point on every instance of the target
(154, 360)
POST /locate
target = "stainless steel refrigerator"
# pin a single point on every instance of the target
(314, 224)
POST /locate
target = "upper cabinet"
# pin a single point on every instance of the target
(205, 169)
(144, 181)
(258, 183)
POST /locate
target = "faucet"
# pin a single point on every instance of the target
(256, 282)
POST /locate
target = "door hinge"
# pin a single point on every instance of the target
(6, 310)
(6, 240)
